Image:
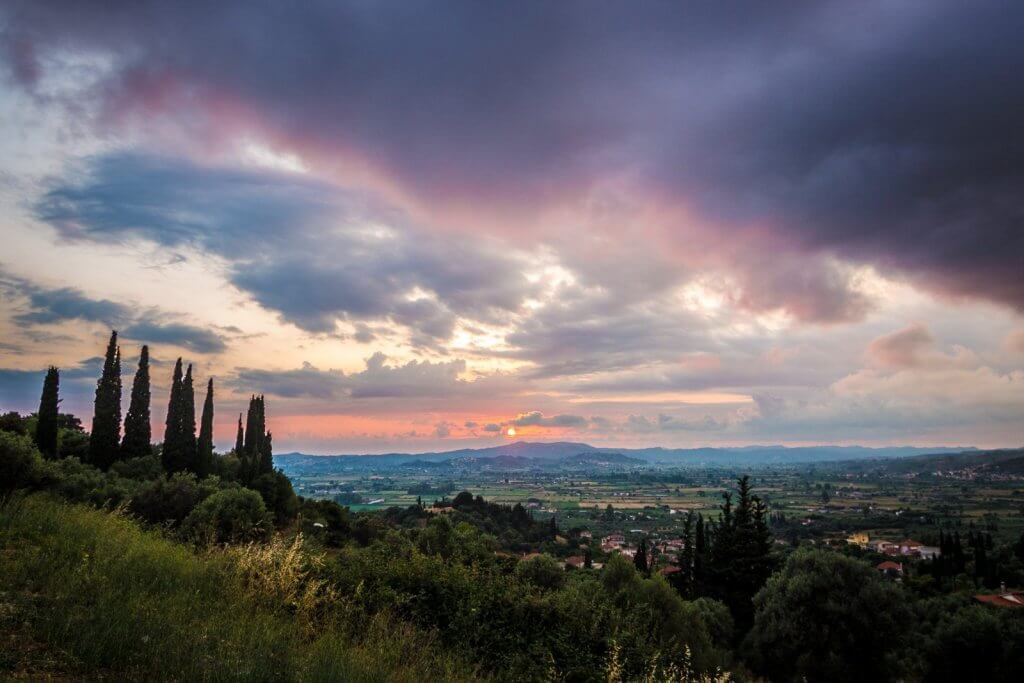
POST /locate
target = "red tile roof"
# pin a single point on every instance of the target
(889, 565)
(1013, 600)
(665, 571)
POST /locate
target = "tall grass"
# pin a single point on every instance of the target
(126, 600)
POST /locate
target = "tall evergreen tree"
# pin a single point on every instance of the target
(105, 438)
(640, 559)
(137, 429)
(188, 421)
(239, 444)
(204, 460)
(173, 455)
(46, 425)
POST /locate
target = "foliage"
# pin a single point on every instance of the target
(204, 447)
(19, 461)
(136, 606)
(137, 428)
(168, 501)
(47, 426)
(228, 516)
(105, 437)
(278, 495)
(826, 616)
(541, 571)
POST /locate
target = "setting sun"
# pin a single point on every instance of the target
(511, 431)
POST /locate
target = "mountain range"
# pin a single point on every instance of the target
(573, 455)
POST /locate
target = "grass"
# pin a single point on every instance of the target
(88, 592)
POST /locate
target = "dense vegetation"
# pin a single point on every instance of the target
(122, 559)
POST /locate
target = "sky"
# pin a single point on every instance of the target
(432, 225)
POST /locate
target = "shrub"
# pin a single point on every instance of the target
(228, 516)
(143, 468)
(82, 483)
(543, 572)
(278, 495)
(19, 461)
(169, 501)
(826, 616)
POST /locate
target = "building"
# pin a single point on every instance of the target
(910, 547)
(1004, 598)
(669, 570)
(613, 540)
(890, 569)
(575, 562)
(858, 539)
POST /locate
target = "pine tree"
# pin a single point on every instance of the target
(188, 421)
(204, 464)
(105, 438)
(137, 429)
(173, 455)
(46, 426)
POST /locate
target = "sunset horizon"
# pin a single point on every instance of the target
(417, 230)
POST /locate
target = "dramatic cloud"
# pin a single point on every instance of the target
(312, 253)
(824, 127)
(377, 380)
(48, 306)
(190, 337)
(673, 222)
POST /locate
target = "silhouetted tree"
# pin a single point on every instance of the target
(188, 420)
(46, 425)
(173, 455)
(105, 438)
(137, 429)
(204, 455)
(239, 445)
(640, 559)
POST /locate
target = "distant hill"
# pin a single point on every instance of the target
(969, 464)
(547, 455)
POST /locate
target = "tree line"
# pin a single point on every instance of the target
(181, 450)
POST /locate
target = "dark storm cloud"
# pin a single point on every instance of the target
(878, 132)
(49, 305)
(308, 251)
(198, 339)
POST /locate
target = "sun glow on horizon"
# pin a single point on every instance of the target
(511, 431)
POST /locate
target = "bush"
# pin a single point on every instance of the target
(826, 616)
(19, 461)
(278, 495)
(228, 516)
(143, 468)
(169, 501)
(542, 572)
(82, 483)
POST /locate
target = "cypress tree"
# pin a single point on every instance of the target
(173, 451)
(137, 429)
(46, 426)
(105, 438)
(204, 464)
(640, 559)
(188, 421)
(250, 427)
(239, 437)
(267, 455)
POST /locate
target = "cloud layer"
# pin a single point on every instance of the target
(669, 222)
